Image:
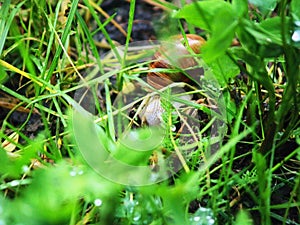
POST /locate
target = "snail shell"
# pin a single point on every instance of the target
(175, 55)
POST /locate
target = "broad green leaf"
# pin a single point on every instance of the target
(295, 12)
(295, 6)
(218, 18)
(223, 30)
(224, 69)
(135, 147)
(220, 41)
(240, 7)
(202, 14)
(264, 6)
(262, 36)
(262, 39)
(116, 161)
(271, 28)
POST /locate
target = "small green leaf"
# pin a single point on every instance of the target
(243, 218)
(223, 30)
(202, 14)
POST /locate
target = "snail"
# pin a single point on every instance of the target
(171, 55)
(175, 55)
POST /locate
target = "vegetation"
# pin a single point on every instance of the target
(238, 162)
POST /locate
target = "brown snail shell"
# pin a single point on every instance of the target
(174, 55)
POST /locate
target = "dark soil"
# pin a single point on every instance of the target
(143, 25)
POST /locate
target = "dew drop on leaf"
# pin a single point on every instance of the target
(296, 36)
(98, 202)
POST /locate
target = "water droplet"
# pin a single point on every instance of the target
(137, 216)
(202, 216)
(154, 177)
(297, 23)
(296, 36)
(130, 210)
(173, 128)
(197, 218)
(80, 172)
(211, 221)
(202, 209)
(14, 183)
(98, 202)
(73, 173)
(25, 169)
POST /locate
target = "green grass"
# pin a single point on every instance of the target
(60, 165)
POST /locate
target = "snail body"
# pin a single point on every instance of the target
(171, 55)
(174, 55)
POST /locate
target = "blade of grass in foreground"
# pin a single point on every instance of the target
(64, 37)
(128, 38)
(34, 79)
(6, 19)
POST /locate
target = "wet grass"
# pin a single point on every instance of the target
(235, 160)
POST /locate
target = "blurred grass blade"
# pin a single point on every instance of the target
(9, 144)
(6, 19)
